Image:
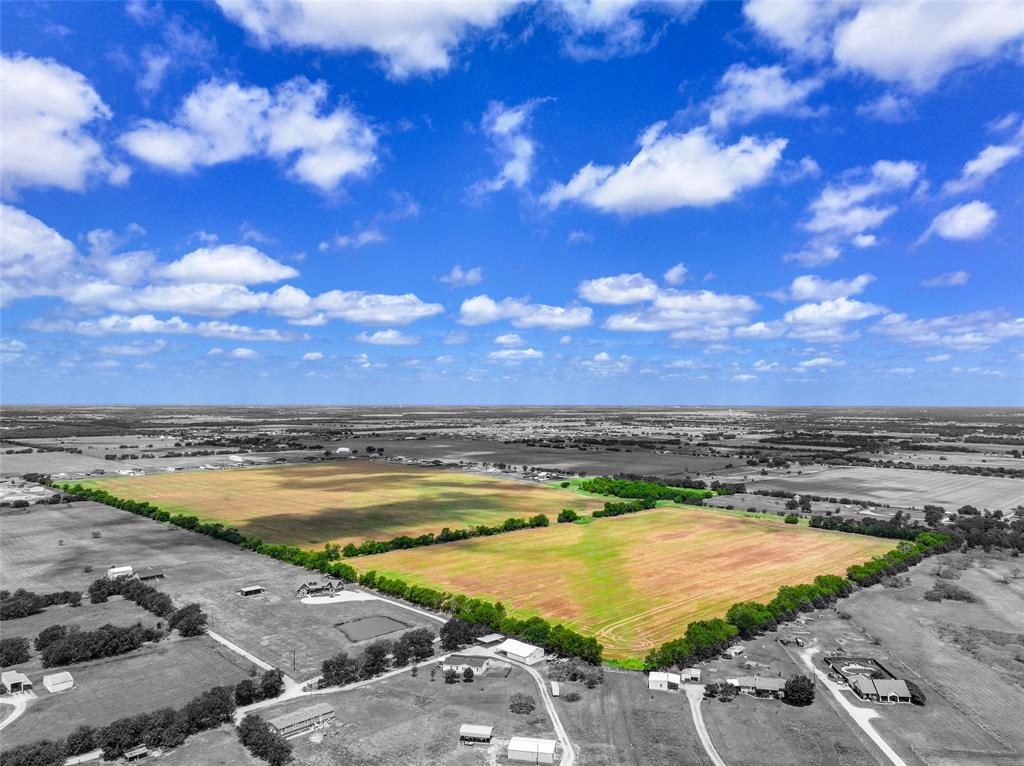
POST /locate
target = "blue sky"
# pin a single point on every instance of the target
(510, 203)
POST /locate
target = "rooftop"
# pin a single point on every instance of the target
(301, 716)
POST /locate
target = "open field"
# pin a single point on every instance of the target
(903, 487)
(275, 626)
(633, 581)
(346, 501)
(415, 721)
(168, 674)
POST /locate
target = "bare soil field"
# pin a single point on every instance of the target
(621, 723)
(345, 501)
(633, 581)
(974, 685)
(415, 721)
(903, 487)
(168, 674)
(275, 626)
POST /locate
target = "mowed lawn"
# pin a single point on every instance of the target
(633, 581)
(343, 502)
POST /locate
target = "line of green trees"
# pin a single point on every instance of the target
(705, 639)
(488, 617)
(24, 603)
(643, 490)
(865, 527)
(446, 535)
(620, 509)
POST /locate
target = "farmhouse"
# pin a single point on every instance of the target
(519, 651)
(318, 589)
(663, 682)
(530, 750)
(887, 690)
(15, 681)
(251, 590)
(150, 573)
(114, 572)
(58, 682)
(470, 733)
(756, 686)
(301, 721)
(459, 662)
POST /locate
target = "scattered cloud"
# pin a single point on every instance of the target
(745, 93)
(224, 122)
(388, 338)
(690, 315)
(456, 338)
(989, 161)
(620, 290)
(510, 339)
(599, 30)
(508, 130)
(312, 356)
(120, 324)
(970, 221)
(948, 279)
(744, 377)
(888, 107)
(934, 358)
(460, 277)
(515, 355)
(961, 332)
(227, 264)
(483, 309)
(813, 288)
(577, 236)
(821, 361)
(135, 348)
(244, 353)
(672, 170)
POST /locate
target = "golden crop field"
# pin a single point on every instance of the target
(632, 581)
(342, 502)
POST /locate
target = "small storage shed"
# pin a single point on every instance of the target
(470, 733)
(15, 681)
(114, 572)
(530, 750)
(663, 682)
(691, 675)
(251, 590)
(58, 682)
(735, 651)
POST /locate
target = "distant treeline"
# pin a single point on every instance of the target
(705, 639)
(446, 535)
(620, 509)
(645, 490)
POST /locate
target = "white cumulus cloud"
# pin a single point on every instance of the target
(232, 264)
(970, 221)
(482, 309)
(388, 338)
(618, 290)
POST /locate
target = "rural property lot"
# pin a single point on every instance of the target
(903, 487)
(168, 674)
(633, 581)
(343, 502)
(275, 626)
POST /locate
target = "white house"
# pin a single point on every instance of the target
(459, 662)
(114, 572)
(519, 651)
(530, 750)
(663, 682)
(58, 682)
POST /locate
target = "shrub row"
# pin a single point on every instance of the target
(165, 728)
(189, 620)
(620, 509)
(643, 490)
(865, 527)
(558, 639)
(446, 535)
(23, 603)
(705, 639)
(488, 617)
(412, 646)
(60, 645)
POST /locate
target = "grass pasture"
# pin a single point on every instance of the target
(343, 502)
(633, 581)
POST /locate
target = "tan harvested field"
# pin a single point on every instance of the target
(633, 581)
(900, 487)
(345, 501)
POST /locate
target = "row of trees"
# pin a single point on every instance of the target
(24, 603)
(643, 490)
(60, 645)
(412, 646)
(895, 531)
(165, 728)
(263, 742)
(620, 509)
(270, 685)
(705, 639)
(189, 620)
(446, 535)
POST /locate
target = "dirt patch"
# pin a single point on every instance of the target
(366, 628)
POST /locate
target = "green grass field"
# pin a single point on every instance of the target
(342, 502)
(633, 581)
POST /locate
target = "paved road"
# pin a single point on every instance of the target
(695, 694)
(861, 715)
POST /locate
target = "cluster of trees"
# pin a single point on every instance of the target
(888, 528)
(412, 646)
(263, 742)
(165, 728)
(644, 490)
(23, 603)
(575, 670)
(705, 639)
(792, 518)
(620, 509)
(799, 690)
(189, 620)
(270, 685)
(948, 591)
(521, 704)
(446, 535)
(60, 645)
(13, 651)
(567, 516)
